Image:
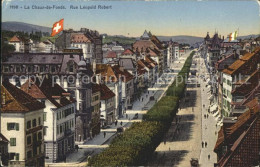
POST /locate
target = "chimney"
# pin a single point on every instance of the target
(56, 98)
(67, 95)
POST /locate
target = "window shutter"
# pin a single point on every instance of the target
(17, 126)
(8, 127)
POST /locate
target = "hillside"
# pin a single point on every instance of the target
(24, 27)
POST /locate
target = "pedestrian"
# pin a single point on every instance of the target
(202, 143)
(209, 157)
(169, 148)
(206, 144)
(126, 116)
(207, 115)
(104, 134)
(142, 99)
(116, 123)
(148, 92)
(77, 147)
(216, 125)
(203, 105)
(121, 123)
(215, 132)
(164, 141)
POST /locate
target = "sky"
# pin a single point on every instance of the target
(131, 18)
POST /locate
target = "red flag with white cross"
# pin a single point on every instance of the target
(57, 27)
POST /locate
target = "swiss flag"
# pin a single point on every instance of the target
(57, 27)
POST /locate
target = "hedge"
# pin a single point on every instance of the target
(136, 145)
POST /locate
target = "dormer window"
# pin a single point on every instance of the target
(71, 69)
(53, 69)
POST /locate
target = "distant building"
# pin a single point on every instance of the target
(240, 70)
(21, 44)
(59, 117)
(107, 100)
(88, 40)
(22, 124)
(43, 47)
(129, 53)
(95, 103)
(151, 46)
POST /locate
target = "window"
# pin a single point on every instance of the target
(42, 69)
(28, 124)
(17, 156)
(57, 115)
(34, 123)
(39, 121)
(71, 68)
(29, 154)
(43, 102)
(52, 69)
(17, 69)
(44, 131)
(39, 136)
(6, 69)
(58, 129)
(29, 140)
(12, 126)
(44, 116)
(29, 69)
(12, 141)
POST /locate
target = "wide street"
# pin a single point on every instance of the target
(193, 132)
(140, 106)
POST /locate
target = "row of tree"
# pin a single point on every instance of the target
(136, 145)
(34, 35)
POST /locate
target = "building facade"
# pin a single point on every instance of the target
(22, 124)
(59, 117)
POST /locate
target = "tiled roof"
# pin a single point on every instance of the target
(143, 44)
(128, 52)
(106, 93)
(79, 38)
(140, 70)
(101, 68)
(45, 89)
(111, 54)
(239, 63)
(17, 101)
(151, 61)
(127, 76)
(144, 63)
(95, 88)
(153, 52)
(248, 85)
(15, 39)
(127, 63)
(3, 138)
(241, 121)
(157, 42)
